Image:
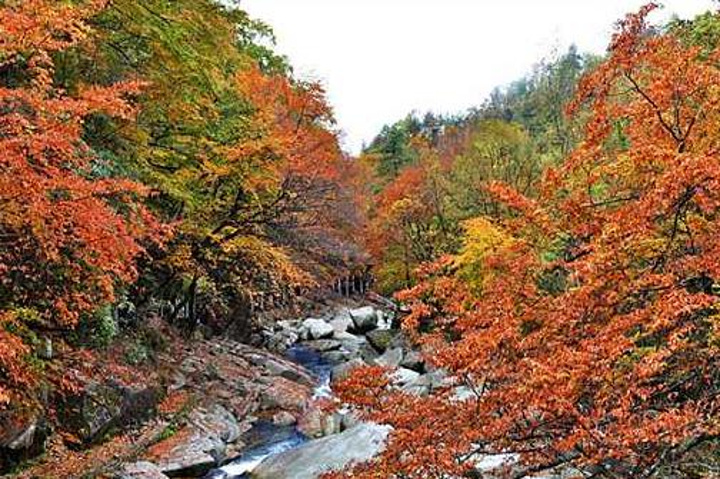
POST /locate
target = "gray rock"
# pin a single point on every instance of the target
(93, 411)
(317, 328)
(402, 376)
(438, 378)
(141, 470)
(193, 457)
(419, 386)
(368, 353)
(285, 369)
(463, 393)
(391, 358)
(22, 437)
(217, 422)
(364, 319)
(211, 430)
(413, 360)
(341, 323)
(340, 356)
(350, 341)
(324, 345)
(342, 371)
(332, 453)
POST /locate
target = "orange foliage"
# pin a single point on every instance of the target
(73, 233)
(295, 119)
(601, 347)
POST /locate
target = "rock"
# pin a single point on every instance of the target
(341, 323)
(22, 437)
(138, 403)
(311, 422)
(99, 407)
(191, 455)
(489, 465)
(391, 358)
(368, 354)
(347, 418)
(324, 345)
(438, 378)
(402, 376)
(380, 339)
(280, 393)
(332, 453)
(287, 370)
(317, 328)
(342, 371)
(350, 341)
(283, 419)
(200, 446)
(281, 340)
(92, 412)
(216, 421)
(364, 319)
(317, 423)
(141, 470)
(339, 356)
(413, 360)
(419, 386)
(463, 393)
(331, 424)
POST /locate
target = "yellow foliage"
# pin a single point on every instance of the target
(268, 257)
(482, 240)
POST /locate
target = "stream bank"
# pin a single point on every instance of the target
(254, 405)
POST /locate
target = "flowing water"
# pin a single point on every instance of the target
(265, 439)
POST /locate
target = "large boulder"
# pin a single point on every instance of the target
(188, 454)
(282, 394)
(391, 358)
(200, 446)
(364, 319)
(317, 423)
(380, 339)
(413, 360)
(101, 406)
(402, 376)
(216, 421)
(92, 412)
(22, 437)
(332, 453)
(317, 329)
(342, 322)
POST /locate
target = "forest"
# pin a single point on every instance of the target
(168, 184)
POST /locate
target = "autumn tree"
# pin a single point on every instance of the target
(70, 234)
(243, 157)
(590, 338)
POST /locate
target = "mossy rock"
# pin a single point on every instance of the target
(380, 339)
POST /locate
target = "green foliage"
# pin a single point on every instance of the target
(496, 150)
(98, 330)
(538, 102)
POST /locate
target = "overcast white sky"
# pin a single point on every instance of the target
(380, 59)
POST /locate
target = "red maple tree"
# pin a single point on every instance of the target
(593, 341)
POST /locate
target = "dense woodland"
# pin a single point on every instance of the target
(556, 247)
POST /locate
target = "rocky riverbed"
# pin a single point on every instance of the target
(257, 410)
(232, 410)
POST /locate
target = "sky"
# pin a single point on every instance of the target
(381, 59)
